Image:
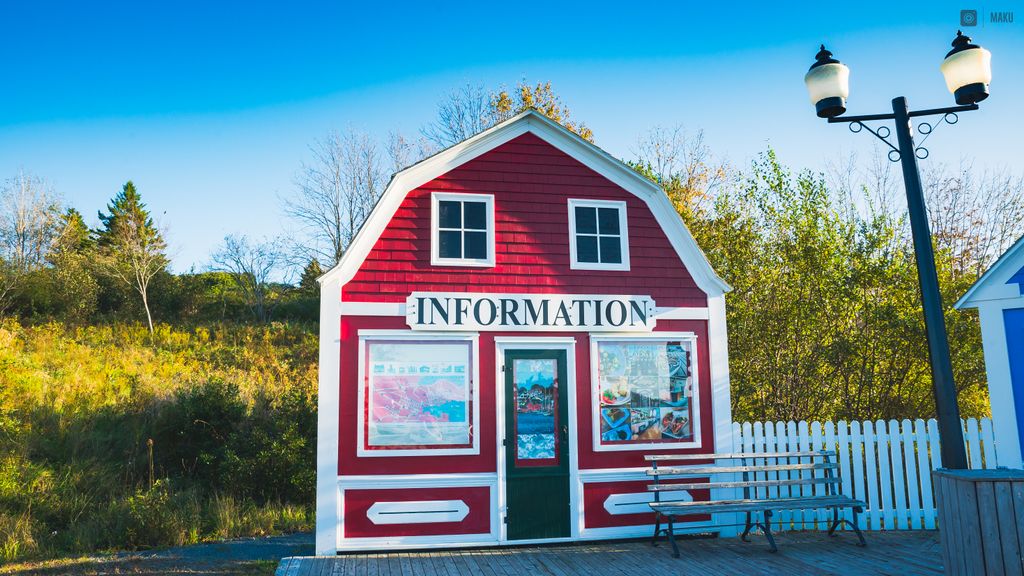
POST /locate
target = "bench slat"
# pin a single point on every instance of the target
(735, 469)
(736, 455)
(746, 484)
(682, 508)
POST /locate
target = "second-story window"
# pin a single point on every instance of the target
(463, 229)
(598, 239)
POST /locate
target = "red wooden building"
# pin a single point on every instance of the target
(519, 321)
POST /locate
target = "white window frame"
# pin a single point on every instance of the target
(407, 335)
(595, 392)
(435, 240)
(623, 235)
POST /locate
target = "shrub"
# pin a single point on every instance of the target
(231, 411)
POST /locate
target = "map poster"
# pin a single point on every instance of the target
(418, 395)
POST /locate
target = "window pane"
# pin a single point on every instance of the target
(450, 244)
(449, 214)
(418, 394)
(586, 248)
(476, 245)
(475, 215)
(608, 220)
(611, 252)
(586, 220)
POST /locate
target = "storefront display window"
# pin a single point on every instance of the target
(645, 393)
(417, 395)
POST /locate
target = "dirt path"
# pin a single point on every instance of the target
(241, 557)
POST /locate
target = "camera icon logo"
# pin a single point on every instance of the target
(968, 17)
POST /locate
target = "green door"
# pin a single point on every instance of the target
(536, 444)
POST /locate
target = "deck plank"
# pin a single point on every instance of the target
(437, 564)
(893, 552)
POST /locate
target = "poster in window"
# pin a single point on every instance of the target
(645, 392)
(418, 394)
(536, 411)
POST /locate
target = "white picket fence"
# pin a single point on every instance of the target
(886, 464)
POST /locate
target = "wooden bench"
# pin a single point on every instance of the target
(756, 481)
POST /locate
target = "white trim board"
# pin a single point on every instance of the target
(558, 136)
(364, 481)
(398, 309)
(1000, 386)
(328, 497)
(721, 405)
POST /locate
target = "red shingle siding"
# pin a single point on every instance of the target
(531, 181)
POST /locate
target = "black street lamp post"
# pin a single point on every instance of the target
(968, 72)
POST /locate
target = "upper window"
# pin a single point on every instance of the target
(597, 235)
(463, 229)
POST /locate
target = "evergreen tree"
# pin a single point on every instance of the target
(307, 283)
(126, 209)
(131, 247)
(73, 286)
(74, 235)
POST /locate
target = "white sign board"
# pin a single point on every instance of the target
(535, 312)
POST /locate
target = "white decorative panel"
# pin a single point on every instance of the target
(637, 502)
(417, 512)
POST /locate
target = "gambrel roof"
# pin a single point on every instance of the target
(558, 136)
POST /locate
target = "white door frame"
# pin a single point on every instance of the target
(568, 344)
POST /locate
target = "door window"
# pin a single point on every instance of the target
(536, 414)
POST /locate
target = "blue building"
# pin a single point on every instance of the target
(999, 297)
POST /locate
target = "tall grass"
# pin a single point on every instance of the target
(229, 411)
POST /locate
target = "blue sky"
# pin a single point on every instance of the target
(210, 107)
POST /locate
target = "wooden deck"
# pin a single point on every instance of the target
(904, 552)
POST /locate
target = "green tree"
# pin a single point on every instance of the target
(73, 280)
(308, 285)
(132, 248)
(825, 317)
(74, 235)
(541, 97)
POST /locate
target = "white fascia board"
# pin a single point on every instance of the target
(992, 284)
